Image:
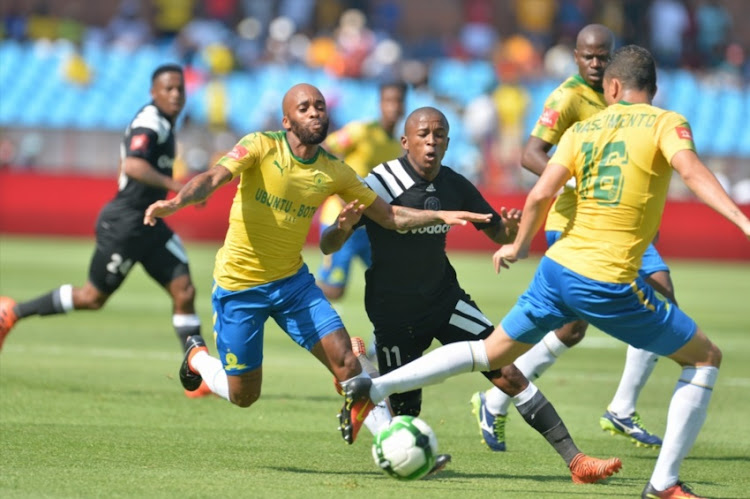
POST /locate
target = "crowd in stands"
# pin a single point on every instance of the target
(487, 63)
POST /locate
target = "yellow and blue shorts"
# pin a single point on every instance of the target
(632, 312)
(296, 304)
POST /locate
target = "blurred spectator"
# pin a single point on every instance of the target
(16, 20)
(169, 16)
(668, 22)
(713, 26)
(128, 30)
(572, 15)
(536, 19)
(75, 69)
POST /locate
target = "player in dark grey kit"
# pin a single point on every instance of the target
(412, 294)
(122, 240)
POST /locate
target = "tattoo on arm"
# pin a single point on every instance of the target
(410, 218)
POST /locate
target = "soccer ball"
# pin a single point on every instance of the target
(406, 449)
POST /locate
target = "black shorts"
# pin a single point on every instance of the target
(122, 241)
(448, 323)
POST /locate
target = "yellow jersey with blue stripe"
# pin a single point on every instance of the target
(363, 145)
(277, 196)
(574, 100)
(621, 159)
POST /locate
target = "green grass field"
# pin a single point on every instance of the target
(90, 404)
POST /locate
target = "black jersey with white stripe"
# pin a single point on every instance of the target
(410, 269)
(149, 136)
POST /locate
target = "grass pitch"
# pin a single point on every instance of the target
(90, 403)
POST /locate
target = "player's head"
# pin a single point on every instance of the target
(392, 97)
(426, 138)
(305, 114)
(594, 45)
(631, 68)
(168, 89)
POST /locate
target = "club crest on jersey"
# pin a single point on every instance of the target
(684, 132)
(237, 152)
(139, 142)
(549, 117)
(432, 203)
(320, 182)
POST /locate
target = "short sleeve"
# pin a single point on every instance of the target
(247, 153)
(674, 135)
(351, 186)
(557, 116)
(141, 143)
(565, 154)
(342, 141)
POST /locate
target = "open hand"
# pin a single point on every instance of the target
(462, 217)
(350, 215)
(159, 209)
(503, 257)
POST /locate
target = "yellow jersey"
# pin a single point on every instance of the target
(363, 146)
(273, 208)
(621, 159)
(574, 100)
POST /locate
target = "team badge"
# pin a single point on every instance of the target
(432, 203)
(139, 142)
(549, 117)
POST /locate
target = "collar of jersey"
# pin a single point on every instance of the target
(580, 79)
(303, 161)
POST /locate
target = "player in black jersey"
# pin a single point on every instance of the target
(122, 240)
(412, 294)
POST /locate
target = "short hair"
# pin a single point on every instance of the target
(635, 68)
(165, 68)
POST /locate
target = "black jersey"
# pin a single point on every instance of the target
(149, 137)
(410, 272)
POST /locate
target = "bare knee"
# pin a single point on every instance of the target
(510, 380)
(88, 298)
(244, 399)
(333, 293)
(244, 390)
(183, 295)
(572, 333)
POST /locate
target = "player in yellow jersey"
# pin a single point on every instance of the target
(577, 98)
(259, 272)
(363, 145)
(622, 159)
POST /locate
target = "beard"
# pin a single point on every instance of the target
(309, 137)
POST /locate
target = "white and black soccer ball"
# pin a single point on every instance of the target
(406, 449)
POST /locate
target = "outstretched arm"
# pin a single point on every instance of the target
(402, 218)
(538, 202)
(335, 235)
(505, 232)
(197, 190)
(704, 184)
(141, 171)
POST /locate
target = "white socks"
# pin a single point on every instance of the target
(435, 367)
(65, 292)
(686, 415)
(212, 372)
(532, 364)
(639, 364)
